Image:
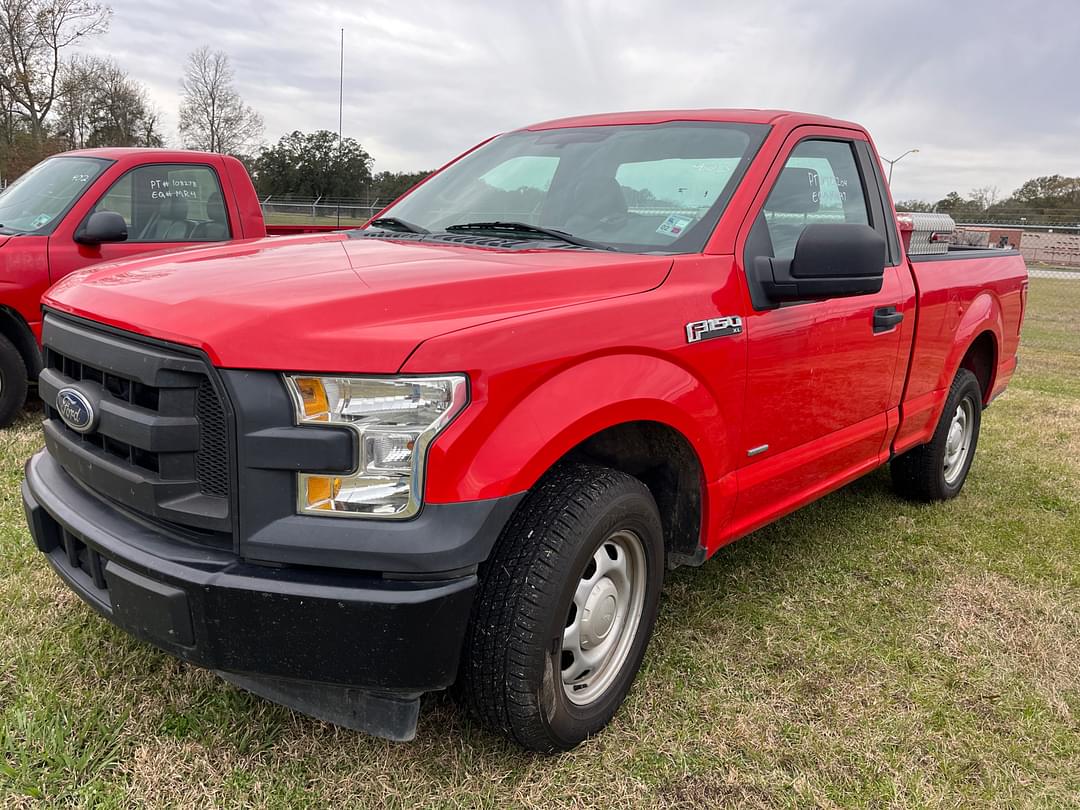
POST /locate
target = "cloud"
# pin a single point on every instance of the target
(987, 91)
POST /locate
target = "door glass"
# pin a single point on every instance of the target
(819, 183)
(169, 203)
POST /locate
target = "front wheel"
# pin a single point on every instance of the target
(13, 382)
(565, 608)
(936, 471)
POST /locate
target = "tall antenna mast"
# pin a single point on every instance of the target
(341, 88)
(340, 107)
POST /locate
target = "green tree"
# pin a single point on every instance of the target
(954, 204)
(914, 205)
(313, 164)
(387, 186)
(1053, 191)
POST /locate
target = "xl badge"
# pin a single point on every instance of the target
(76, 410)
(713, 328)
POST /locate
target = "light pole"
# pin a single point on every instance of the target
(897, 160)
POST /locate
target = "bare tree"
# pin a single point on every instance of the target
(76, 103)
(985, 196)
(7, 117)
(213, 117)
(34, 37)
(100, 105)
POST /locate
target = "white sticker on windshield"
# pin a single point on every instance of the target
(40, 221)
(673, 226)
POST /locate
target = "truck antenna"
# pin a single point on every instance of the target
(340, 105)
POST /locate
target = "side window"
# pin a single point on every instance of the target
(169, 203)
(820, 182)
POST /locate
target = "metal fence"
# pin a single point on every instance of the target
(1062, 219)
(287, 208)
(1051, 256)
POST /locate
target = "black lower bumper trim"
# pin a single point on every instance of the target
(350, 647)
(386, 715)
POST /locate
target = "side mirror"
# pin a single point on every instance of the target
(103, 226)
(831, 260)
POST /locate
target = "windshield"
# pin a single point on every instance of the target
(38, 200)
(642, 188)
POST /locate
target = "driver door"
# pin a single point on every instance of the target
(820, 375)
(165, 206)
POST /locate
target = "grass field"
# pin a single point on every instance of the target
(862, 652)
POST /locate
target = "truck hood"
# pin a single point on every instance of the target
(334, 303)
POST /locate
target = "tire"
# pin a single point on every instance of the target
(12, 382)
(933, 471)
(578, 518)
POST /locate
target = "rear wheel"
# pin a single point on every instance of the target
(565, 608)
(936, 471)
(12, 382)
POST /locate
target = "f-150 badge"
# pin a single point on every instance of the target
(713, 328)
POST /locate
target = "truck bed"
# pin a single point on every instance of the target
(964, 295)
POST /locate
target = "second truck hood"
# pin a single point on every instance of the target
(335, 304)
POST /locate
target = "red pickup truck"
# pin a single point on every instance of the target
(93, 205)
(463, 444)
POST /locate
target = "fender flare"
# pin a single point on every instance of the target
(984, 315)
(510, 452)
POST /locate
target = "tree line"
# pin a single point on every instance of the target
(54, 98)
(1053, 198)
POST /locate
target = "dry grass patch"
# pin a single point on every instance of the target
(1022, 633)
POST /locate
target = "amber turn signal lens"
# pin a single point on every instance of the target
(321, 492)
(313, 396)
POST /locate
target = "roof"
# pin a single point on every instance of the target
(120, 152)
(771, 117)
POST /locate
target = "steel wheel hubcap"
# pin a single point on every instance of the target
(603, 617)
(958, 440)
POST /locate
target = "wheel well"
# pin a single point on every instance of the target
(15, 329)
(981, 360)
(662, 459)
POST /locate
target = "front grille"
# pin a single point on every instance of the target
(118, 387)
(212, 457)
(160, 445)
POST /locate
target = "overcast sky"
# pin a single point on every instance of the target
(990, 94)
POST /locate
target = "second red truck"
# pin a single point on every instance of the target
(464, 444)
(93, 205)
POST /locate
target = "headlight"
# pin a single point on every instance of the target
(396, 419)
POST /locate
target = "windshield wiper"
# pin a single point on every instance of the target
(395, 224)
(524, 227)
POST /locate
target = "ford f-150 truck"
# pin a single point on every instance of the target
(461, 445)
(94, 205)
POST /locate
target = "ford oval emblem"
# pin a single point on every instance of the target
(76, 410)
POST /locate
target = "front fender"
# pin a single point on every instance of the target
(500, 448)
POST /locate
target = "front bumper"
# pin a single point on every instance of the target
(347, 646)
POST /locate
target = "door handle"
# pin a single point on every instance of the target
(885, 318)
